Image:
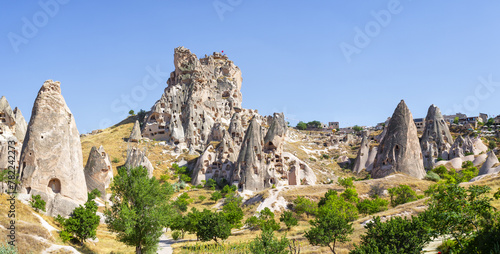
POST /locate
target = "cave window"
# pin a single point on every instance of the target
(55, 185)
(1, 131)
(28, 190)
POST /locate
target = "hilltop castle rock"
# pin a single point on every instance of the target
(98, 171)
(51, 158)
(399, 150)
(436, 140)
(200, 93)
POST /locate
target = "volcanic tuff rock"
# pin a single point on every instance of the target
(135, 136)
(136, 157)
(51, 158)
(98, 171)
(467, 145)
(366, 156)
(9, 131)
(200, 93)
(399, 150)
(436, 140)
(21, 125)
(488, 165)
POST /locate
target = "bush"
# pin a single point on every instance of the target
(401, 195)
(289, 220)
(357, 128)
(350, 195)
(431, 176)
(376, 205)
(176, 235)
(201, 198)
(345, 182)
(37, 203)
(376, 190)
(305, 205)
(325, 156)
(216, 196)
(492, 144)
(115, 160)
(131, 112)
(264, 220)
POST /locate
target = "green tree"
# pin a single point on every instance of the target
(267, 243)
(182, 202)
(180, 223)
(264, 220)
(490, 122)
(181, 172)
(305, 205)
(396, 235)
(350, 195)
(210, 183)
(357, 128)
(212, 226)
(314, 124)
(332, 223)
(301, 126)
(455, 120)
(37, 203)
(401, 195)
(289, 219)
(202, 198)
(131, 112)
(140, 208)
(459, 212)
(232, 211)
(84, 221)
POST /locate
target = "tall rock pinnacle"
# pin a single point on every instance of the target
(51, 158)
(436, 140)
(399, 150)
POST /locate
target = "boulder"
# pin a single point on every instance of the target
(399, 150)
(98, 171)
(51, 158)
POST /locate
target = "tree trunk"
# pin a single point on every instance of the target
(138, 249)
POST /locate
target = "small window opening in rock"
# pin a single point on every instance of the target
(55, 185)
(28, 190)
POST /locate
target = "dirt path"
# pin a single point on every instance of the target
(165, 245)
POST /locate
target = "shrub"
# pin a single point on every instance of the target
(305, 205)
(201, 198)
(176, 234)
(289, 220)
(350, 195)
(268, 243)
(325, 156)
(492, 145)
(216, 196)
(376, 190)
(367, 206)
(402, 194)
(164, 178)
(115, 160)
(37, 203)
(431, 176)
(264, 220)
(357, 128)
(65, 236)
(345, 182)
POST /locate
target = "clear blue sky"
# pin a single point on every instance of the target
(289, 53)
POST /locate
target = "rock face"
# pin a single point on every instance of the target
(399, 150)
(436, 140)
(21, 125)
(488, 165)
(200, 93)
(466, 145)
(51, 158)
(98, 171)
(136, 157)
(365, 157)
(135, 136)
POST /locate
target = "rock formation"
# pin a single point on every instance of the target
(488, 166)
(200, 92)
(98, 171)
(135, 136)
(51, 158)
(136, 157)
(436, 140)
(399, 150)
(365, 157)
(21, 125)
